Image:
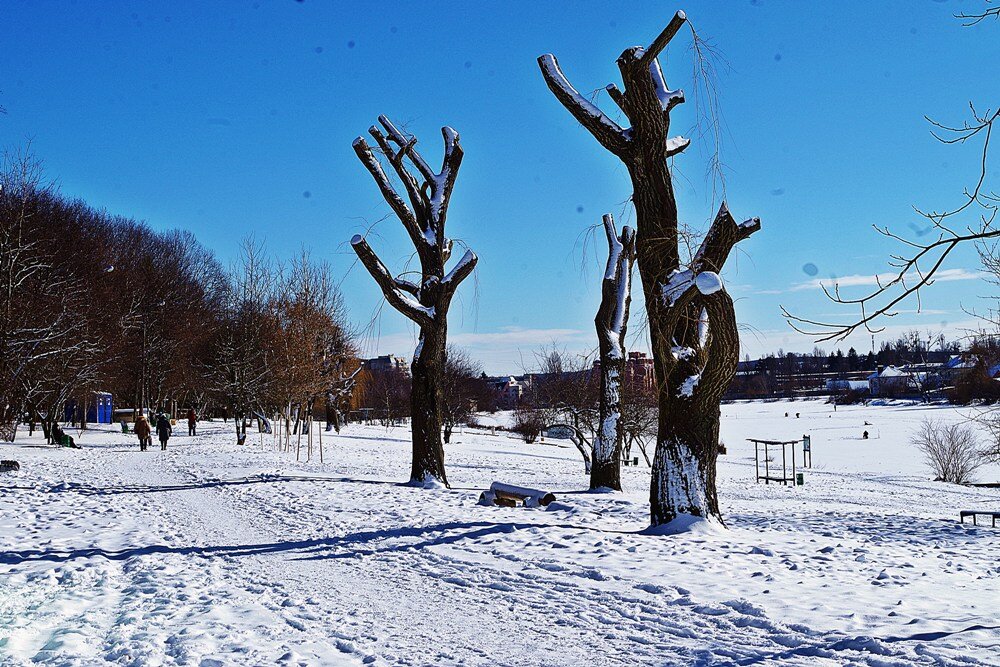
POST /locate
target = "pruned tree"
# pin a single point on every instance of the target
(425, 303)
(612, 323)
(692, 322)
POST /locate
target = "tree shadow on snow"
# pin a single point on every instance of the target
(345, 546)
(872, 645)
(91, 490)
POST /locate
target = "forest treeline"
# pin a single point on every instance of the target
(91, 301)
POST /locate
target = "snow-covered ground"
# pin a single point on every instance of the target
(213, 554)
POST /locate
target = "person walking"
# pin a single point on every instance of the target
(142, 430)
(192, 421)
(163, 430)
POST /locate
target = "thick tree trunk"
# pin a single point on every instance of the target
(427, 467)
(683, 480)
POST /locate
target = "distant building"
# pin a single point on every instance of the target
(638, 369)
(509, 389)
(892, 381)
(387, 362)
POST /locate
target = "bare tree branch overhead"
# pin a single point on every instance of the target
(971, 221)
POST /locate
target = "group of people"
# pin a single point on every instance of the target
(144, 431)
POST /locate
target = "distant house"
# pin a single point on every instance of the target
(891, 381)
(956, 366)
(387, 362)
(509, 390)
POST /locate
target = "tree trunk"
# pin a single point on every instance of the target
(425, 408)
(611, 323)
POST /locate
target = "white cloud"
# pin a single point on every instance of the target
(872, 280)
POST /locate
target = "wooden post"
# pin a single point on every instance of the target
(767, 467)
(756, 459)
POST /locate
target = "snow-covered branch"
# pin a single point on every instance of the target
(399, 207)
(606, 131)
(460, 271)
(400, 300)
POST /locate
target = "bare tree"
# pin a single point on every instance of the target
(612, 323)
(563, 393)
(461, 391)
(952, 450)
(692, 322)
(248, 337)
(425, 303)
(639, 416)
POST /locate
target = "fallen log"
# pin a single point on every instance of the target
(508, 495)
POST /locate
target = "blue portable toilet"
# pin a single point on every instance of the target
(101, 408)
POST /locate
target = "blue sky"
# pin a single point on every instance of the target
(230, 118)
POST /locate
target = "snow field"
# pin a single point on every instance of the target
(212, 554)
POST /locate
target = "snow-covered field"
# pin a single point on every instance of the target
(212, 554)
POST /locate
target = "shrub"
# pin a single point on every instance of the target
(528, 424)
(952, 450)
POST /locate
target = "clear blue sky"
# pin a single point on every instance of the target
(229, 118)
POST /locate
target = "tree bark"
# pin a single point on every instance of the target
(425, 409)
(692, 323)
(611, 323)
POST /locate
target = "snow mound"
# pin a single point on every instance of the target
(687, 523)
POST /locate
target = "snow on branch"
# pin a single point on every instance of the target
(702, 276)
(617, 287)
(443, 183)
(606, 131)
(664, 37)
(399, 207)
(397, 298)
(722, 237)
(677, 145)
(407, 147)
(668, 98)
(461, 270)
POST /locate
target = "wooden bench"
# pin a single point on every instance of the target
(993, 515)
(633, 462)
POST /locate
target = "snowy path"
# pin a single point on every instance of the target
(212, 554)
